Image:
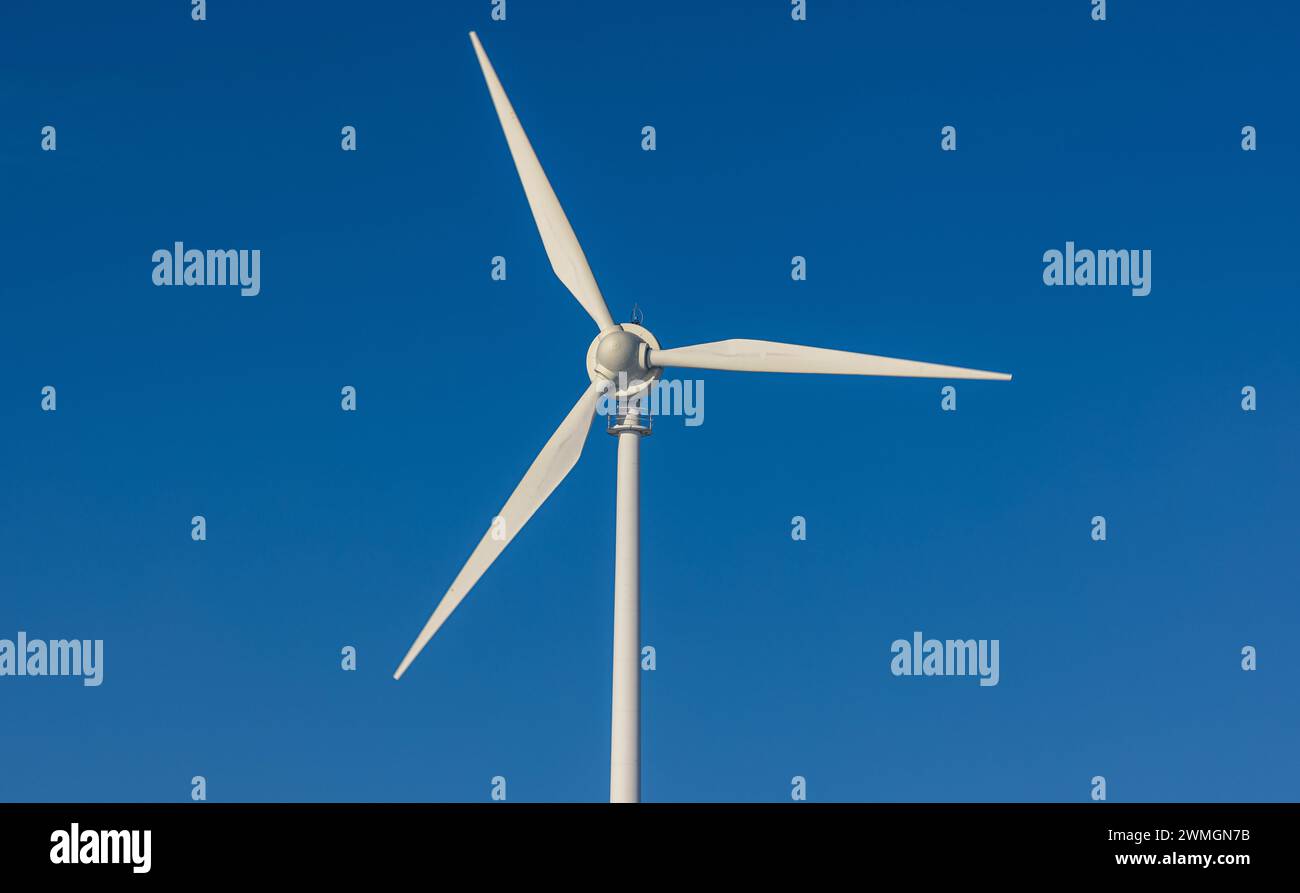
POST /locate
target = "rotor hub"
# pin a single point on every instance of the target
(621, 355)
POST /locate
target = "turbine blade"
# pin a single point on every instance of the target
(562, 247)
(550, 467)
(743, 355)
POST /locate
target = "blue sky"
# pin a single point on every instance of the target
(775, 138)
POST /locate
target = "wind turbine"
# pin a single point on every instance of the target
(623, 360)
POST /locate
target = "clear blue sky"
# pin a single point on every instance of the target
(775, 138)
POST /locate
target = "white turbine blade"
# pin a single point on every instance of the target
(562, 247)
(742, 355)
(550, 467)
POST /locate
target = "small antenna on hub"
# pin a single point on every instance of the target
(637, 316)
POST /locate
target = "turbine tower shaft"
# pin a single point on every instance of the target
(625, 723)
